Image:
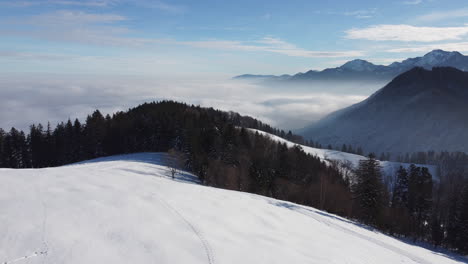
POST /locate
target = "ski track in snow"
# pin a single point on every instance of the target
(35, 254)
(44, 223)
(43, 232)
(196, 231)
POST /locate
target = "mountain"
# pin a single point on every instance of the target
(419, 110)
(436, 58)
(364, 70)
(127, 209)
(265, 77)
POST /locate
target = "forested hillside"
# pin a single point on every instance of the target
(217, 147)
(208, 142)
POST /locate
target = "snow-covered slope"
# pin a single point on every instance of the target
(126, 209)
(389, 168)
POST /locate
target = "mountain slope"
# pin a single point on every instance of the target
(419, 110)
(364, 70)
(126, 209)
(389, 168)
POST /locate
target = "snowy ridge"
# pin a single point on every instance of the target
(389, 168)
(127, 209)
(363, 70)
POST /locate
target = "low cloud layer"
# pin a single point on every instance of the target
(32, 99)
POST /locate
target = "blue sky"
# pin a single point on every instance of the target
(152, 37)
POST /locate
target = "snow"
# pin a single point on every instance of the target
(389, 168)
(436, 57)
(358, 65)
(127, 209)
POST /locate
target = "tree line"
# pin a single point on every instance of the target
(214, 145)
(417, 207)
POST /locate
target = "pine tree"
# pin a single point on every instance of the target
(368, 190)
(437, 231)
(359, 151)
(400, 190)
(2, 148)
(462, 221)
(420, 198)
(344, 148)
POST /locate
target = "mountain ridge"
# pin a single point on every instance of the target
(361, 69)
(419, 110)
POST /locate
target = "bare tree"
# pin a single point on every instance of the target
(173, 162)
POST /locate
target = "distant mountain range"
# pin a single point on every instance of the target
(364, 70)
(419, 110)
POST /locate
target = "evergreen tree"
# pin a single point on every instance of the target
(461, 241)
(400, 190)
(368, 190)
(344, 148)
(437, 231)
(359, 151)
(420, 198)
(2, 148)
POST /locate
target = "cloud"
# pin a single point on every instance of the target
(154, 4)
(64, 18)
(456, 46)
(106, 29)
(83, 3)
(362, 14)
(407, 33)
(54, 98)
(413, 2)
(33, 56)
(437, 16)
(268, 44)
(176, 9)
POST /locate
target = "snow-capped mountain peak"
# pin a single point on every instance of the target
(436, 57)
(358, 65)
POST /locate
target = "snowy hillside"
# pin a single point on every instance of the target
(389, 168)
(126, 209)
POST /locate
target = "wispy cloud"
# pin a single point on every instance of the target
(33, 56)
(443, 15)
(84, 3)
(407, 33)
(105, 29)
(66, 17)
(361, 13)
(268, 44)
(456, 46)
(177, 9)
(153, 4)
(413, 2)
